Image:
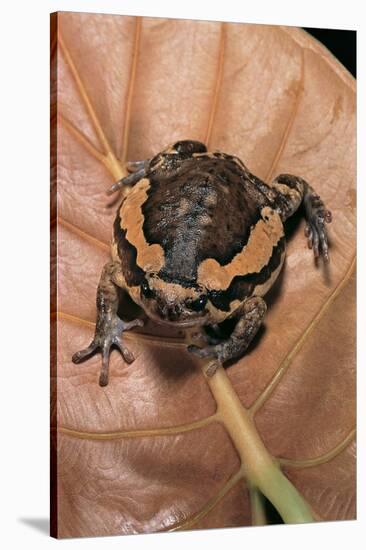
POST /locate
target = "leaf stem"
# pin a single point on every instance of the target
(260, 468)
(257, 505)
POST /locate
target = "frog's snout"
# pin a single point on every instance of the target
(169, 311)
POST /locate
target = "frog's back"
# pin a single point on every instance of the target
(205, 225)
(206, 211)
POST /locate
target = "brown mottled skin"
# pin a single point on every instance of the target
(198, 240)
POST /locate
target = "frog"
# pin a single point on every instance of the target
(198, 240)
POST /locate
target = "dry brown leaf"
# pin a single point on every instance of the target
(145, 453)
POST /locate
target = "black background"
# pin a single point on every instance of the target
(341, 43)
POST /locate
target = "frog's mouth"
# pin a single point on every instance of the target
(173, 314)
(179, 323)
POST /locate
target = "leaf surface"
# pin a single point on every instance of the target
(146, 453)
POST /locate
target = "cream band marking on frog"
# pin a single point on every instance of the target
(172, 291)
(261, 290)
(150, 257)
(218, 315)
(255, 255)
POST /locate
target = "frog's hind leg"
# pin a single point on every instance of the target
(249, 319)
(291, 192)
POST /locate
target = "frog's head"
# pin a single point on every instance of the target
(173, 303)
(171, 158)
(185, 147)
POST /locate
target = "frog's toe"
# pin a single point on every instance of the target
(208, 351)
(135, 165)
(84, 354)
(131, 179)
(316, 233)
(104, 373)
(127, 355)
(317, 218)
(131, 324)
(108, 335)
(106, 348)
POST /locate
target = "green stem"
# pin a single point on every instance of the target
(257, 505)
(260, 468)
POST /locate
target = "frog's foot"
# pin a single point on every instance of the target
(211, 334)
(129, 180)
(136, 165)
(315, 231)
(208, 352)
(248, 320)
(203, 353)
(108, 334)
(137, 170)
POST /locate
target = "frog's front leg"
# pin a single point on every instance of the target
(250, 316)
(290, 192)
(109, 327)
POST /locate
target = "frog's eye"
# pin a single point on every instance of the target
(188, 147)
(199, 304)
(146, 290)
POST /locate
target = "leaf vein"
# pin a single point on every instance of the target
(83, 139)
(149, 432)
(289, 125)
(218, 83)
(84, 234)
(84, 96)
(210, 505)
(322, 459)
(131, 87)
